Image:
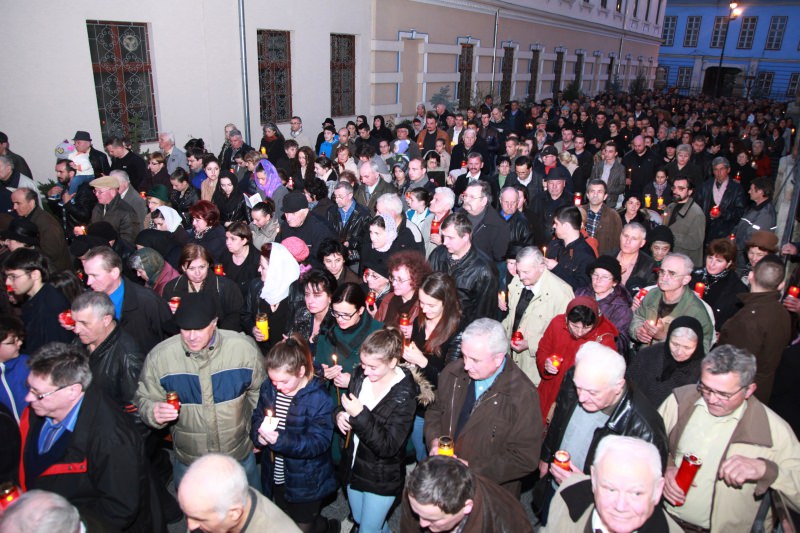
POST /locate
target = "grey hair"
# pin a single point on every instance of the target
(235, 133)
(448, 193)
(636, 226)
(392, 203)
(720, 161)
(758, 142)
(7, 161)
(597, 355)
(687, 261)
(727, 358)
(489, 331)
(684, 333)
(220, 477)
(511, 189)
(168, 135)
(470, 132)
(99, 302)
(343, 185)
(372, 164)
(532, 253)
(631, 448)
(684, 148)
(39, 511)
(120, 175)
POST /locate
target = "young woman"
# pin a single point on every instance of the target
(157, 166)
(376, 417)
(658, 188)
(229, 200)
(183, 195)
(212, 169)
(314, 319)
(418, 200)
(241, 259)
(293, 422)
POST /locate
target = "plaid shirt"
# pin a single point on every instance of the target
(592, 219)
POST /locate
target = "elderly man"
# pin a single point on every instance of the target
(39, 511)
(670, 299)
(488, 407)
(535, 297)
(622, 495)
(544, 205)
(602, 222)
(99, 160)
(124, 159)
(296, 132)
(443, 495)
(474, 274)
(217, 375)
(113, 209)
(130, 196)
(638, 268)
(744, 446)
(174, 157)
(350, 221)
(442, 203)
(518, 227)
(138, 310)
(409, 236)
(594, 401)
(686, 220)
(11, 179)
(470, 144)
(490, 233)
(237, 148)
(722, 201)
(300, 222)
(215, 497)
(51, 235)
(79, 445)
(374, 186)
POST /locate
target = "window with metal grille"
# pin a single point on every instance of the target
(508, 72)
(692, 31)
(534, 70)
(763, 84)
(668, 31)
(794, 83)
(777, 27)
(465, 61)
(343, 75)
(720, 32)
(274, 75)
(684, 77)
(123, 79)
(746, 33)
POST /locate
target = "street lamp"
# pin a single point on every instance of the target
(733, 14)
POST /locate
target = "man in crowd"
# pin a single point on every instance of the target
(174, 157)
(236, 149)
(602, 222)
(296, 132)
(535, 297)
(569, 255)
(518, 228)
(344, 139)
(722, 201)
(475, 172)
(373, 185)
(409, 236)
(443, 495)
(99, 160)
(426, 140)
(194, 158)
(745, 447)
(583, 173)
(490, 233)
(217, 374)
(442, 203)
(12, 179)
(474, 274)
(622, 465)
(638, 268)
(301, 222)
(611, 171)
(113, 209)
(686, 220)
(418, 176)
(498, 439)
(350, 221)
(759, 215)
(18, 162)
(641, 164)
(545, 204)
(51, 235)
(126, 160)
(131, 196)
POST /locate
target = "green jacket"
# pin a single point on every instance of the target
(688, 305)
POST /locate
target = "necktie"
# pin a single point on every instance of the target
(524, 299)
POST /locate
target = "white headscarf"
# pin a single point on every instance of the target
(171, 217)
(282, 272)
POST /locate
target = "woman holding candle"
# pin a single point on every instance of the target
(206, 229)
(269, 295)
(314, 318)
(197, 276)
(376, 280)
(612, 297)
(720, 284)
(294, 421)
(658, 369)
(659, 188)
(376, 414)
(567, 332)
(407, 269)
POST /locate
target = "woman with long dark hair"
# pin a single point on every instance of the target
(229, 199)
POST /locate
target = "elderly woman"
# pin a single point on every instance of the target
(198, 276)
(760, 244)
(721, 285)
(612, 297)
(657, 370)
(344, 160)
(157, 196)
(382, 236)
(183, 195)
(407, 269)
(151, 267)
(206, 229)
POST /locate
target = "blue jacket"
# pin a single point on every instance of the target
(305, 444)
(13, 376)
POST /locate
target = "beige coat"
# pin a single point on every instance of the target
(552, 299)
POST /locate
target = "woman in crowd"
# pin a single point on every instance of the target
(380, 131)
(376, 279)
(241, 260)
(583, 322)
(269, 183)
(151, 267)
(632, 211)
(382, 235)
(344, 160)
(269, 295)
(418, 201)
(318, 195)
(314, 318)
(332, 254)
(612, 297)
(658, 369)
(760, 158)
(742, 170)
(435, 340)
(183, 195)
(212, 168)
(384, 150)
(407, 269)
(376, 415)
(158, 175)
(272, 143)
(398, 165)
(206, 229)
(157, 196)
(305, 169)
(721, 285)
(658, 188)
(298, 472)
(229, 200)
(760, 244)
(198, 276)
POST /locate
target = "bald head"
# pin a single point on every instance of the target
(214, 488)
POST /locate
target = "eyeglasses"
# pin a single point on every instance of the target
(398, 281)
(668, 274)
(43, 395)
(600, 277)
(345, 316)
(706, 391)
(15, 277)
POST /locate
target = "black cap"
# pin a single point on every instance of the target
(196, 311)
(104, 230)
(328, 120)
(606, 262)
(82, 136)
(376, 263)
(557, 173)
(22, 230)
(294, 202)
(661, 233)
(549, 150)
(83, 243)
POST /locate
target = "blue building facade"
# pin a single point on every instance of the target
(760, 48)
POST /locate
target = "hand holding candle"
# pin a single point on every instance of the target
(715, 211)
(686, 473)
(700, 289)
(270, 423)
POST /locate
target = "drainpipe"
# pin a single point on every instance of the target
(245, 91)
(494, 48)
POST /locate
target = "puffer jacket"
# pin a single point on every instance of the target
(616, 307)
(633, 416)
(383, 432)
(305, 443)
(218, 388)
(355, 232)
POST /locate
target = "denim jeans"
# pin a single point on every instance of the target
(249, 463)
(370, 510)
(418, 439)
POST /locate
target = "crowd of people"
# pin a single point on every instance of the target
(585, 299)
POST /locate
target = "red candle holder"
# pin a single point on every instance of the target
(143, 194)
(556, 361)
(732, 237)
(9, 288)
(517, 337)
(218, 270)
(174, 303)
(65, 318)
(173, 400)
(290, 184)
(371, 298)
(737, 177)
(641, 294)
(8, 494)
(794, 291)
(715, 211)
(404, 319)
(562, 459)
(577, 199)
(435, 227)
(687, 471)
(700, 289)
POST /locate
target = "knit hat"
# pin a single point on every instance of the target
(661, 233)
(105, 181)
(294, 202)
(766, 240)
(104, 230)
(297, 248)
(606, 262)
(159, 191)
(83, 243)
(22, 230)
(196, 311)
(377, 264)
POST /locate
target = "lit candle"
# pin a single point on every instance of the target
(561, 459)
(732, 237)
(371, 297)
(544, 251)
(517, 337)
(577, 199)
(404, 319)
(794, 291)
(647, 200)
(270, 423)
(218, 270)
(66, 318)
(502, 296)
(263, 151)
(82, 230)
(700, 289)
(174, 303)
(335, 359)
(143, 194)
(660, 202)
(8, 493)
(715, 211)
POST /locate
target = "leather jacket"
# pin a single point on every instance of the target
(476, 279)
(76, 212)
(183, 203)
(519, 230)
(354, 232)
(634, 416)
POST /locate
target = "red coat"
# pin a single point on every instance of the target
(558, 340)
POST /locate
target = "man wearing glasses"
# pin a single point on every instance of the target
(745, 448)
(78, 444)
(669, 299)
(686, 220)
(113, 209)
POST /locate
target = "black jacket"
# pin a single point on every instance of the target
(383, 433)
(721, 294)
(313, 231)
(226, 294)
(573, 259)
(40, 316)
(475, 276)
(145, 316)
(463, 181)
(76, 212)
(181, 204)
(644, 271)
(634, 416)
(99, 162)
(731, 208)
(642, 169)
(491, 235)
(540, 214)
(354, 232)
(519, 230)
